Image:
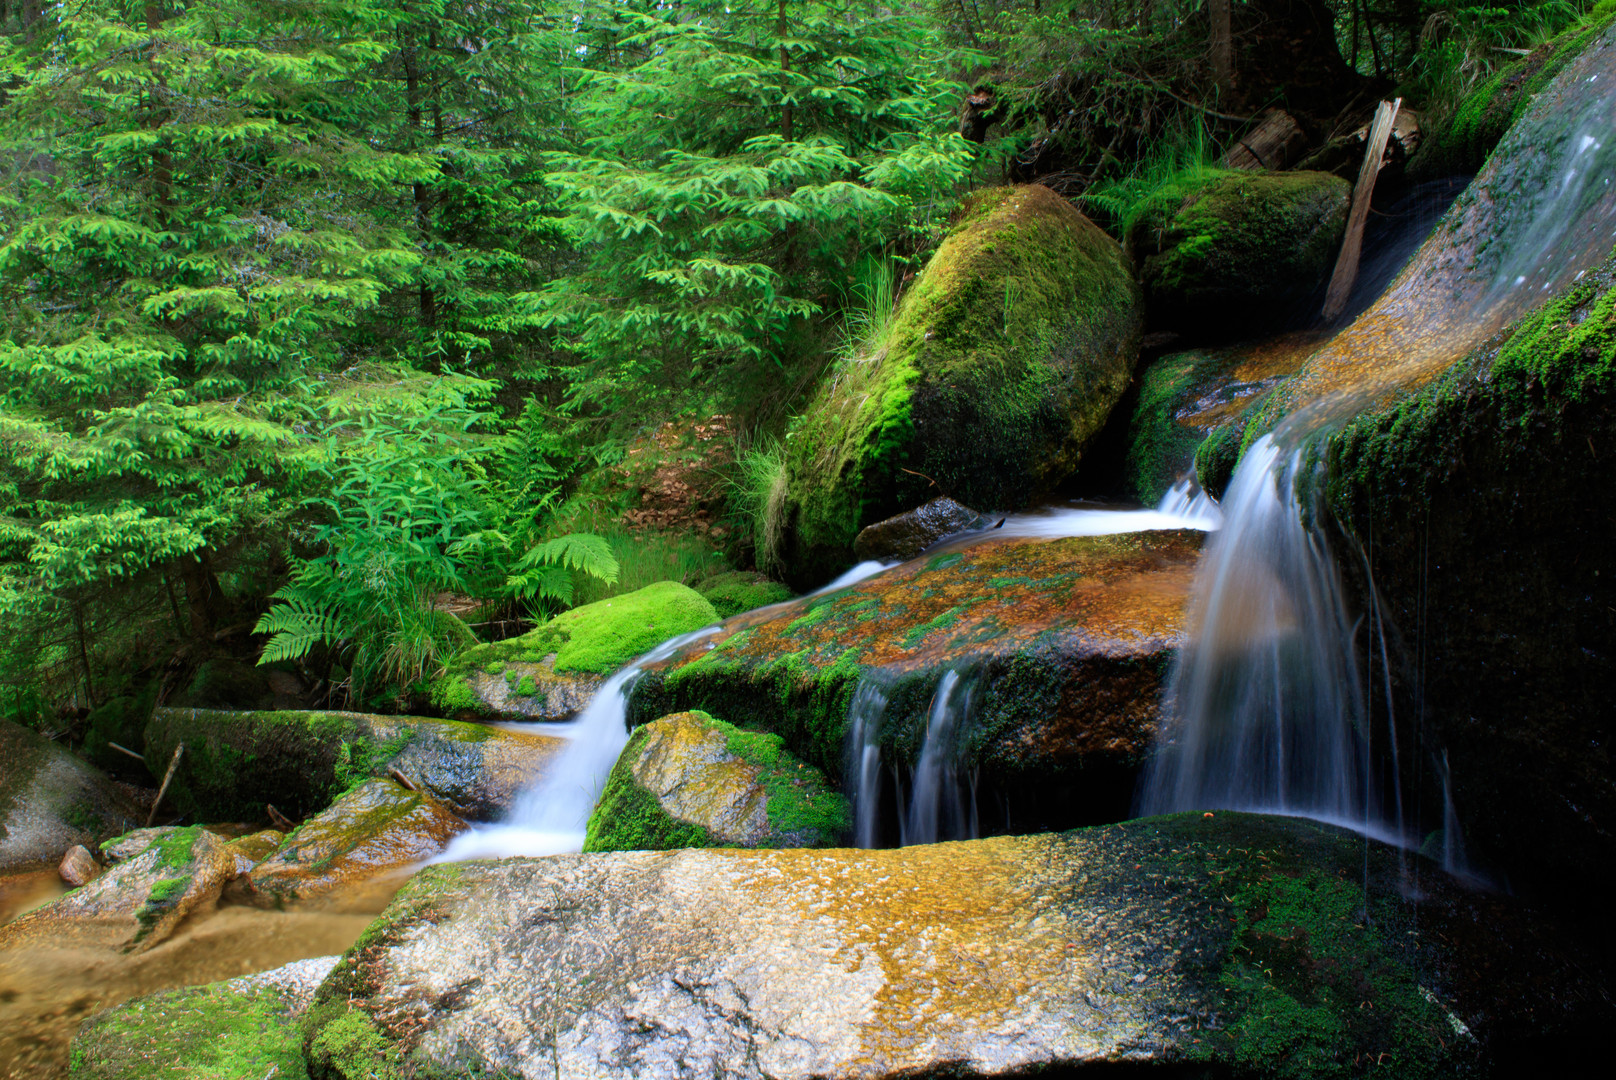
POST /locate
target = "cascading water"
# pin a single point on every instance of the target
(940, 803)
(550, 817)
(1265, 710)
(1265, 700)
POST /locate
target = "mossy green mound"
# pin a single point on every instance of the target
(1001, 363)
(741, 590)
(595, 639)
(242, 1029)
(1227, 253)
(197, 1034)
(689, 780)
(1462, 143)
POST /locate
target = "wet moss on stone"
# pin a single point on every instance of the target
(205, 1033)
(1025, 324)
(1462, 144)
(742, 590)
(1223, 253)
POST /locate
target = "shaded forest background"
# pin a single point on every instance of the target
(336, 335)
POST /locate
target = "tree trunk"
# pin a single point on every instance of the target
(1346, 266)
(1222, 50)
(203, 597)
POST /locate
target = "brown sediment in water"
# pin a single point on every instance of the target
(46, 992)
(23, 890)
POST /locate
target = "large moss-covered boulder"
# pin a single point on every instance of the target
(242, 1029)
(1230, 946)
(1492, 504)
(1223, 254)
(1065, 643)
(158, 877)
(236, 762)
(688, 780)
(51, 800)
(553, 670)
(354, 850)
(1001, 363)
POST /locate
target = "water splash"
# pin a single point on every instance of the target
(549, 818)
(1186, 506)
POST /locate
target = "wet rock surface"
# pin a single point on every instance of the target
(156, 878)
(241, 1029)
(524, 690)
(1068, 641)
(51, 800)
(78, 866)
(236, 762)
(688, 780)
(1235, 944)
(1185, 397)
(908, 534)
(337, 858)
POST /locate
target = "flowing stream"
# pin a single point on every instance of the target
(1267, 709)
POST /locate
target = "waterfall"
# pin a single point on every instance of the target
(864, 757)
(1265, 710)
(549, 817)
(1265, 704)
(938, 805)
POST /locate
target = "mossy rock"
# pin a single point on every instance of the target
(742, 590)
(1226, 945)
(1066, 642)
(158, 876)
(1462, 143)
(236, 762)
(333, 859)
(241, 1029)
(1000, 365)
(51, 800)
(1223, 254)
(689, 780)
(1491, 502)
(587, 642)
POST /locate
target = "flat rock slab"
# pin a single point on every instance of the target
(1067, 642)
(1238, 941)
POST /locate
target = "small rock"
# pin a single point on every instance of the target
(79, 866)
(903, 537)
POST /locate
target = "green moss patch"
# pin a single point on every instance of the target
(206, 1033)
(597, 638)
(1224, 253)
(629, 818)
(741, 590)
